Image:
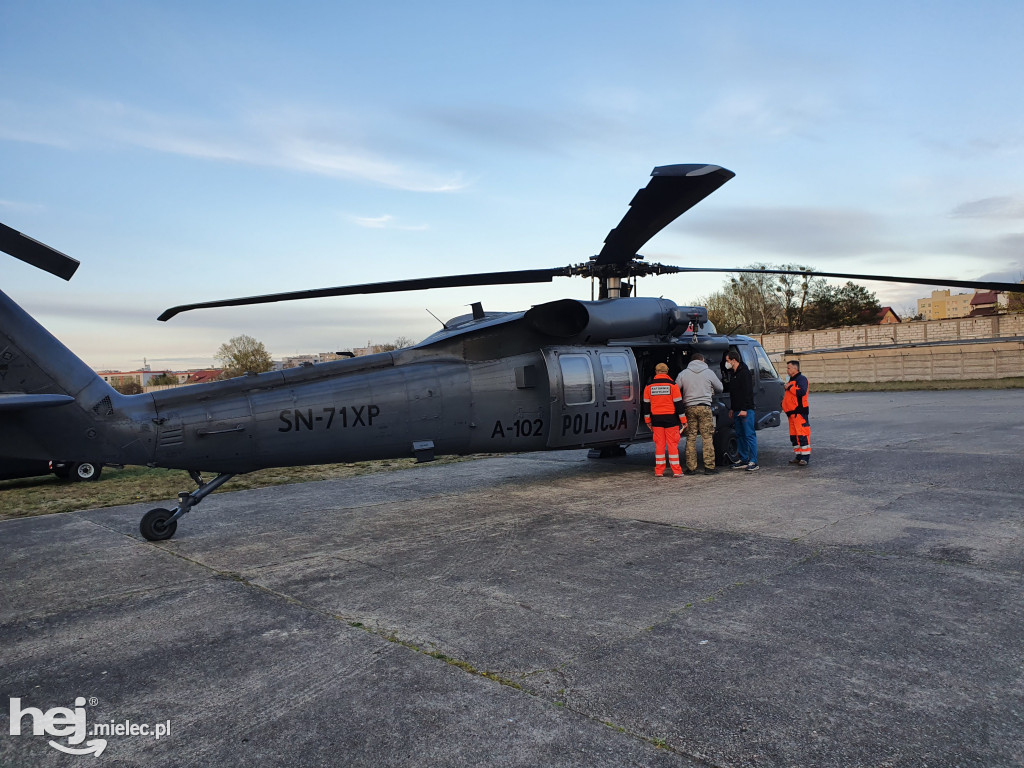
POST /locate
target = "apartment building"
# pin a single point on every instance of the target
(941, 305)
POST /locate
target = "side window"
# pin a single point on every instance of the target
(618, 385)
(765, 369)
(577, 379)
(747, 355)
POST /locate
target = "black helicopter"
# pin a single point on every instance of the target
(564, 374)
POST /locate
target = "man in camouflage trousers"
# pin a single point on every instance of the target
(699, 385)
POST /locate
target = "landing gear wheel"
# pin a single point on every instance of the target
(86, 470)
(727, 449)
(155, 525)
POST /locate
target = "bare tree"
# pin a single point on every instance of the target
(722, 312)
(400, 343)
(795, 292)
(756, 300)
(908, 312)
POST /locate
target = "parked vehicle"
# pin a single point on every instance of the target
(11, 469)
(77, 470)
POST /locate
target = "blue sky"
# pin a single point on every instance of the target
(189, 151)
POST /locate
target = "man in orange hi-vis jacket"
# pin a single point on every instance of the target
(664, 414)
(794, 403)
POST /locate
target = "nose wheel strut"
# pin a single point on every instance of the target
(160, 524)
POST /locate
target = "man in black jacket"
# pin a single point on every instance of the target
(741, 402)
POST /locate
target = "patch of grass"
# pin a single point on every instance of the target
(1014, 382)
(32, 496)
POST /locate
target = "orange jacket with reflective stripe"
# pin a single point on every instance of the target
(795, 398)
(663, 401)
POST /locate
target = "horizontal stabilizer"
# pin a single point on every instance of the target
(19, 401)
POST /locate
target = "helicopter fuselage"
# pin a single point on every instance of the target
(554, 377)
(424, 402)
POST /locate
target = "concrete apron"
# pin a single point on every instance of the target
(548, 609)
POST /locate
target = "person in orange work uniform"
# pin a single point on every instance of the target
(794, 403)
(664, 414)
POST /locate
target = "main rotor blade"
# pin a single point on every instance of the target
(988, 285)
(416, 284)
(35, 253)
(673, 190)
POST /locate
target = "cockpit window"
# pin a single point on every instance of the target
(577, 379)
(618, 384)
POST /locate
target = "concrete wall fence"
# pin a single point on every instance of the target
(913, 351)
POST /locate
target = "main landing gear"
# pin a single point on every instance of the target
(160, 524)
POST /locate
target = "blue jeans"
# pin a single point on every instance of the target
(746, 436)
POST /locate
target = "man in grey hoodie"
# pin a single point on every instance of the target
(699, 384)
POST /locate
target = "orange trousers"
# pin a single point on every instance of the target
(800, 435)
(666, 439)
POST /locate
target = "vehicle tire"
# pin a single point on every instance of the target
(726, 446)
(155, 525)
(85, 470)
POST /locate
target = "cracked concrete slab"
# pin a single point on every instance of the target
(548, 609)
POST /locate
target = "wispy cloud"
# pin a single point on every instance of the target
(344, 161)
(385, 222)
(796, 232)
(532, 129)
(371, 222)
(976, 147)
(293, 139)
(125, 310)
(1013, 275)
(1007, 249)
(17, 205)
(771, 113)
(19, 123)
(120, 339)
(990, 208)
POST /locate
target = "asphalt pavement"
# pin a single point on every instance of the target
(549, 610)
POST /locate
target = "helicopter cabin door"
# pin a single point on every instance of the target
(595, 396)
